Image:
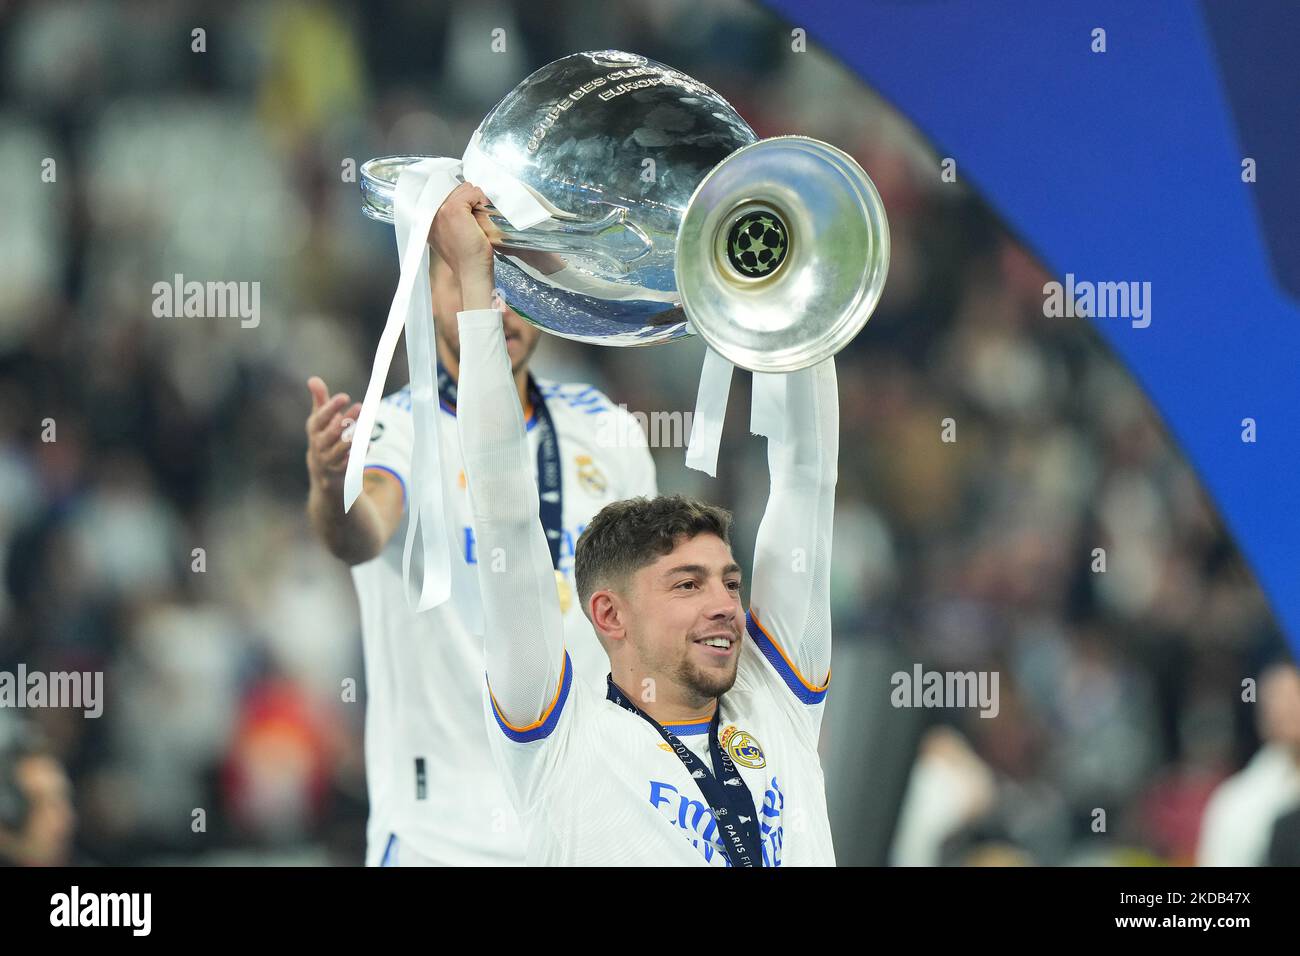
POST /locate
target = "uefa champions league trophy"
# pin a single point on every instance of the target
(667, 216)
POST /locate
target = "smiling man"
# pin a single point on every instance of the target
(703, 751)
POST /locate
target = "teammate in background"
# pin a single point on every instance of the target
(435, 795)
(703, 750)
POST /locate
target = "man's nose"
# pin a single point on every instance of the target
(722, 603)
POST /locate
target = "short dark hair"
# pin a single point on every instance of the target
(627, 535)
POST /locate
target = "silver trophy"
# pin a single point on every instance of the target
(669, 216)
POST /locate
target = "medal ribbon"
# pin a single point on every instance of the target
(724, 789)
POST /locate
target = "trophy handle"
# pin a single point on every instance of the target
(611, 239)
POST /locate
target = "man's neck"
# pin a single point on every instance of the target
(669, 708)
(452, 365)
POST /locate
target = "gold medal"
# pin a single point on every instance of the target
(562, 586)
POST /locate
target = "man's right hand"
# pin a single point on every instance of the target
(462, 235)
(329, 436)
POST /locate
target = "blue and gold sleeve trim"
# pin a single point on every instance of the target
(541, 728)
(389, 471)
(806, 691)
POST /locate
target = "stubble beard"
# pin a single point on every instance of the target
(705, 684)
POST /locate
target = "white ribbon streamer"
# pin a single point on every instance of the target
(710, 410)
(512, 198)
(434, 191)
(412, 216)
(767, 405)
(420, 191)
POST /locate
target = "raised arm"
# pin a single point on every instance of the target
(790, 614)
(523, 628)
(527, 669)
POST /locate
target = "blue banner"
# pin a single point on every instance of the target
(1129, 164)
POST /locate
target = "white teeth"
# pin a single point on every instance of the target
(718, 642)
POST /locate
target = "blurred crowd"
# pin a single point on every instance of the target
(151, 469)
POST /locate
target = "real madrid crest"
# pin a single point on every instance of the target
(590, 477)
(743, 748)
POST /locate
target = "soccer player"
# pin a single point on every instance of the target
(435, 795)
(703, 750)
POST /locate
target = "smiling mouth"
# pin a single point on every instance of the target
(718, 642)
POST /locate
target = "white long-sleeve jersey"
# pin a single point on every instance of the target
(593, 783)
(433, 786)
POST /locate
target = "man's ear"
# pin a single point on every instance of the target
(608, 614)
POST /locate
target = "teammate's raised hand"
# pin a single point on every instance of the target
(329, 434)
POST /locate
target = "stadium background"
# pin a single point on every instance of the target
(224, 688)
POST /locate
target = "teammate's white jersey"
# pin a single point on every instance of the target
(596, 784)
(429, 771)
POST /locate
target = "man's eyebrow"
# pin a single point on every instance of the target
(732, 568)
